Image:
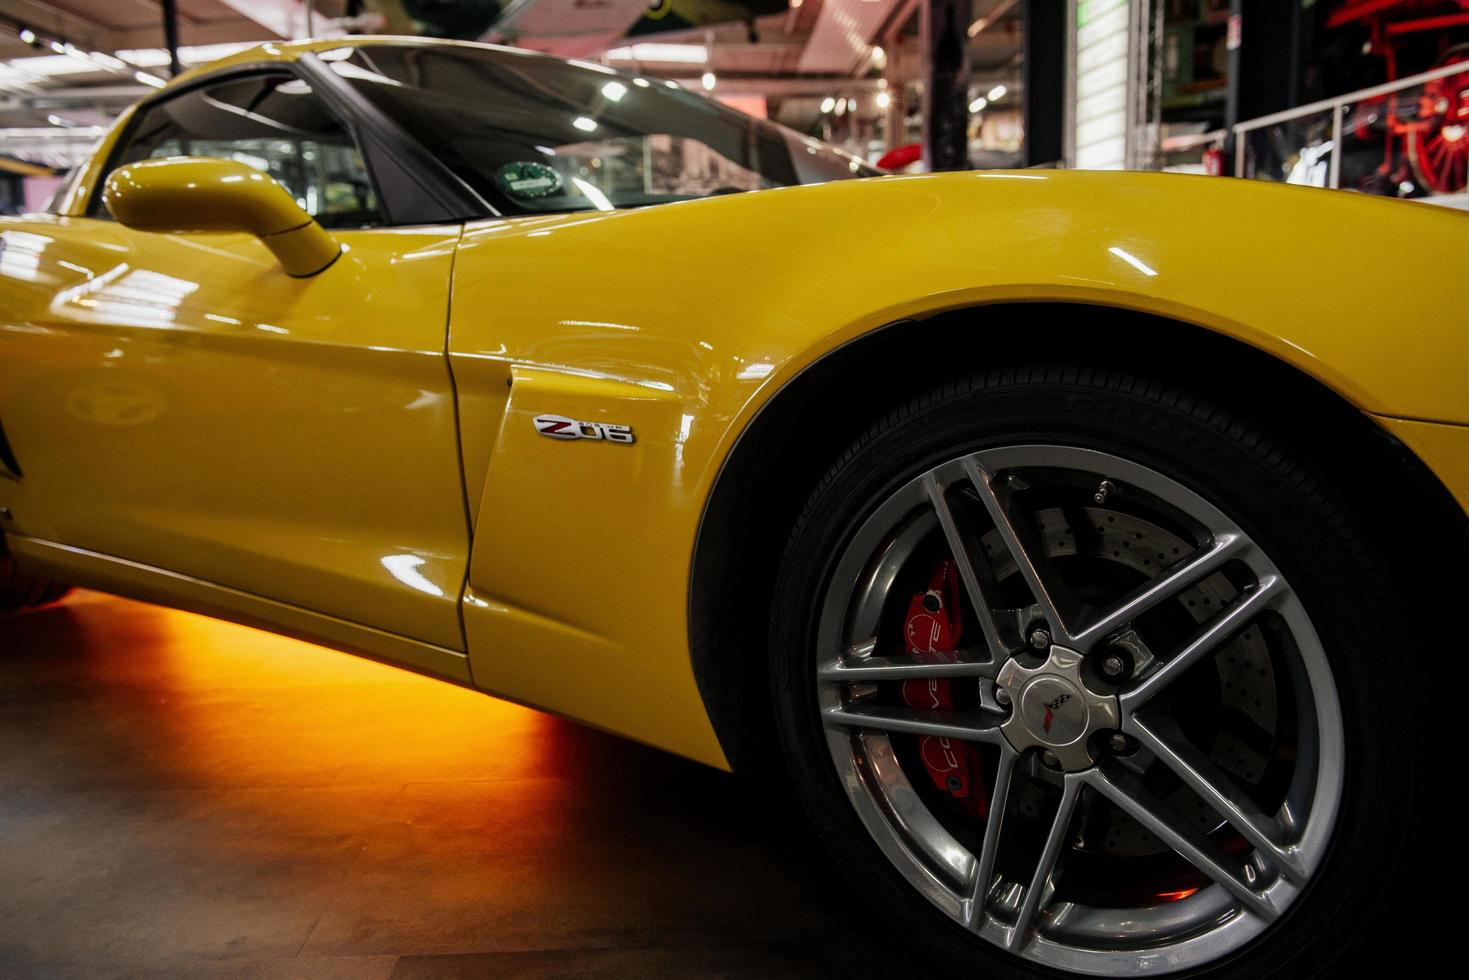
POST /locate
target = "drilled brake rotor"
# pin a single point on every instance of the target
(1246, 678)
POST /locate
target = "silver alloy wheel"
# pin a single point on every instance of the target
(1253, 849)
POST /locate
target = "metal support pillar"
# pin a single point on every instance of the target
(1045, 80)
(944, 26)
(171, 34)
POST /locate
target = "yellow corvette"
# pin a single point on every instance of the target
(1080, 542)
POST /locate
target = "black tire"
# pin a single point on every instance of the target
(1269, 485)
(19, 591)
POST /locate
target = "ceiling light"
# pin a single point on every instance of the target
(107, 61)
(28, 36)
(884, 100)
(997, 93)
(47, 65)
(852, 105)
(149, 57)
(978, 104)
(58, 121)
(148, 79)
(50, 133)
(828, 104)
(878, 54)
(708, 81)
(684, 54)
(841, 106)
(584, 124)
(978, 26)
(198, 54)
(614, 91)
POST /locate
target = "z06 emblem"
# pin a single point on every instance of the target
(561, 427)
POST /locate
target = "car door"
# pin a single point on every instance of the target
(178, 401)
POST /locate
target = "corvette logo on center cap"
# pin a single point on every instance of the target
(1051, 707)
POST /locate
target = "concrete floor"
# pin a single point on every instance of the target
(182, 797)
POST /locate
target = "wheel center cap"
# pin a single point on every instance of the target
(1054, 708)
(1054, 711)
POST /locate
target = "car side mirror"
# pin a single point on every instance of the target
(182, 194)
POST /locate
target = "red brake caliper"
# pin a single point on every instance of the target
(932, 629)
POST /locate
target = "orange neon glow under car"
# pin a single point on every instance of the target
(982, 499)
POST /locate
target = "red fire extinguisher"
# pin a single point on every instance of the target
(1214, 162)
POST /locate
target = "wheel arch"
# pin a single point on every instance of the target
(799, 432)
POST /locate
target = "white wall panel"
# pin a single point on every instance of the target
(1100, 119)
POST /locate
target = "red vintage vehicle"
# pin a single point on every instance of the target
(1425, 131)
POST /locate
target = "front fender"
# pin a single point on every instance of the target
(683, 320)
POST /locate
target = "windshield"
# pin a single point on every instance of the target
(534, 134)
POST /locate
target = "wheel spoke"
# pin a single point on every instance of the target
(1127, 791)
(1024, 546)
(1225, 546)
(1216, 788)
(974, 566)
(1038, 892)
(984, 868)
(1215, 633)
(873, 669)
(913, 721)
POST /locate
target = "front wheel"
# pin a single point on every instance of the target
(1078, 675)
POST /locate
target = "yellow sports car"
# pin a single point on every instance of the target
(1079, 542)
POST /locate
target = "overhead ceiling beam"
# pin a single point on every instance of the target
(195, 34)
(284, 18)
(63, 23)
(547, 19)
(841, 41)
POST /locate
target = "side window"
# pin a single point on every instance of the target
(273, 123)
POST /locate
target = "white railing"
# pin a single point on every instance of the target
(1337, 107)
